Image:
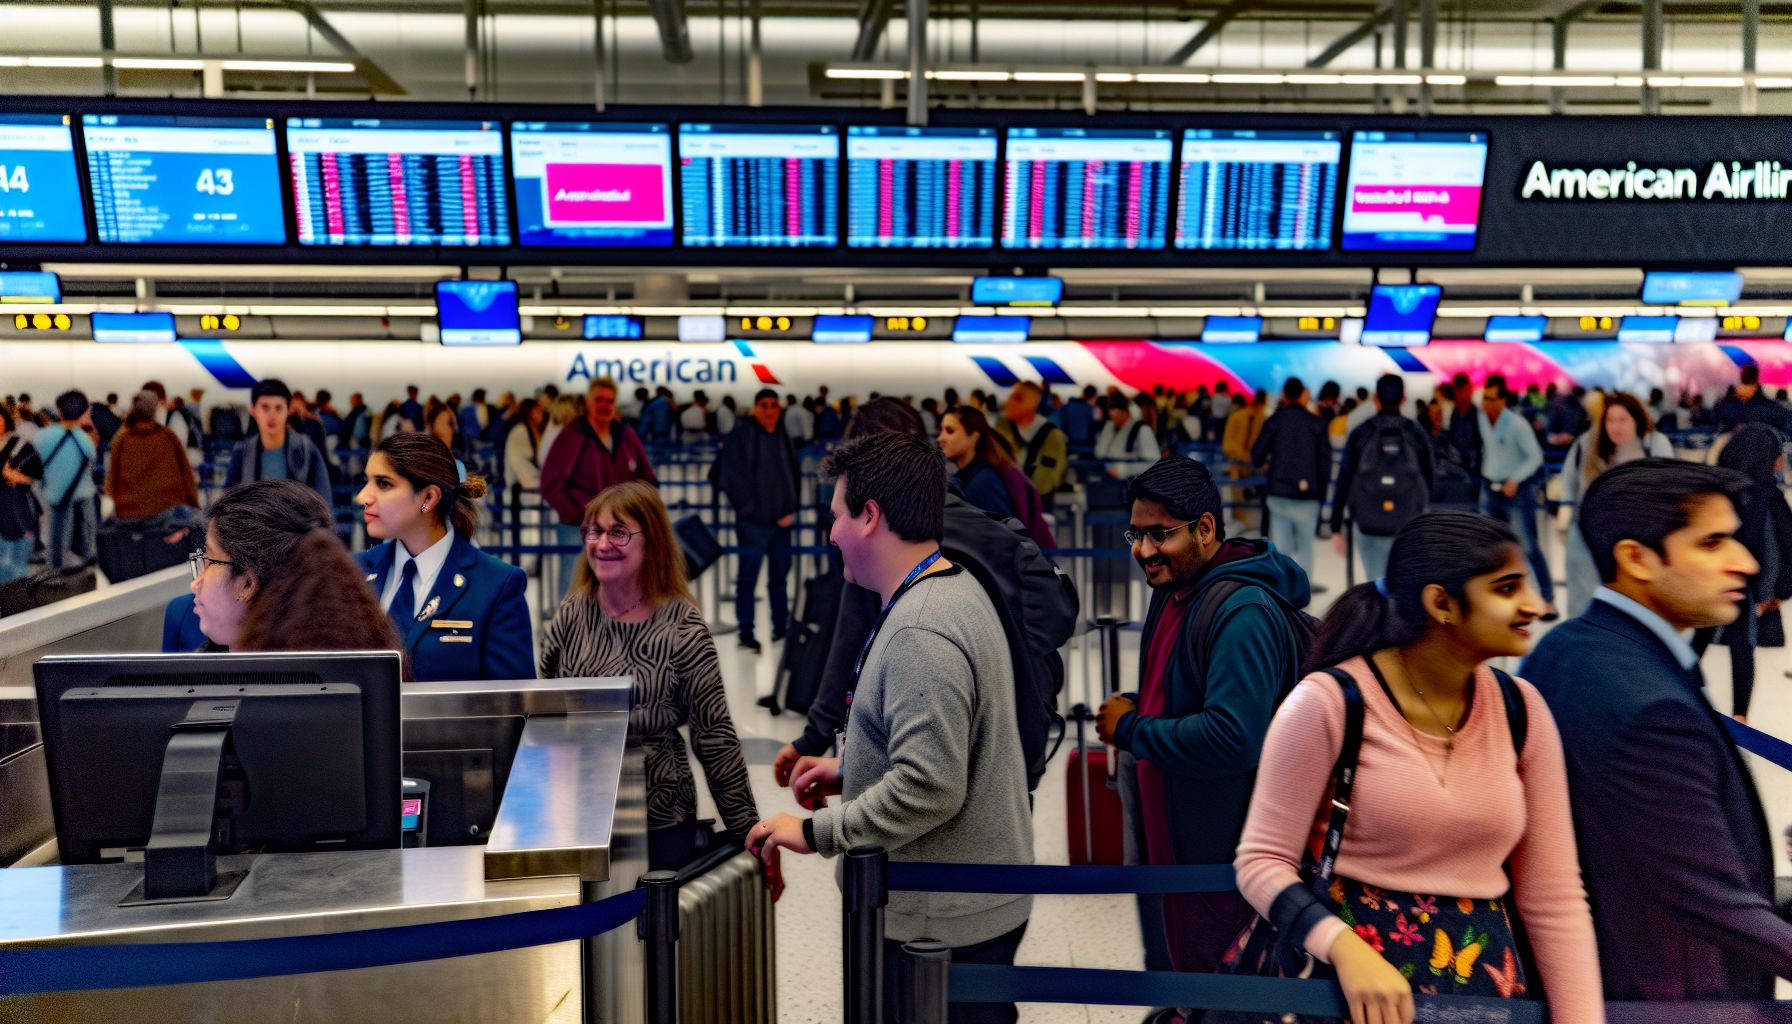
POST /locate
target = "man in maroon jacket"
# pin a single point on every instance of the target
(591, 454)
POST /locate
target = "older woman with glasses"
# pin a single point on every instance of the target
(629, 611)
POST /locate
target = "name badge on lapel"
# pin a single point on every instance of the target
(454, 626)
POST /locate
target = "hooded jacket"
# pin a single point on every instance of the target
(304, 463)
(148, 473)
(758, 471)
(1210, 734)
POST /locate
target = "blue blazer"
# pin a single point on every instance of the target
(479, 628)
(180, 627)
(1674, 849)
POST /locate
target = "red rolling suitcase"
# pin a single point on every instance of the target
(1095, 822)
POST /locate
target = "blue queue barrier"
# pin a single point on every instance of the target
(83, 968)
(929, 982)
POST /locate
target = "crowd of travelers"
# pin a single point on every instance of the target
(1403, 815)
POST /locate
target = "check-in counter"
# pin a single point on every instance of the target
(538, 801)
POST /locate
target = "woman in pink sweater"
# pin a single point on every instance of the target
(1417, 895)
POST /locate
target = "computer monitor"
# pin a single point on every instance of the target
(188, 756)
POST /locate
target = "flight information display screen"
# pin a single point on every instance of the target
(1414, 190)
(40, 193)
(760, 185)
(367, 181)
(193, 180)
(592, 183)
(1253, 189)
(1086, 188)
(921, 188)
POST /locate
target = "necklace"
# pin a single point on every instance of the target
(1449, 742)
(618, 616)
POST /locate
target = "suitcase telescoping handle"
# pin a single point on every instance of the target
(1110, 680)
(1080, 714)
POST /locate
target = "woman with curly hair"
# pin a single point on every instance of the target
(272, 577)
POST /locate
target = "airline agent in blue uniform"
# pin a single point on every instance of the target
(461, 612)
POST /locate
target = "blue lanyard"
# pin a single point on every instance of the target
(859, 665)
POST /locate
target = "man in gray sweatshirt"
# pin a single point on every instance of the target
(932, 765)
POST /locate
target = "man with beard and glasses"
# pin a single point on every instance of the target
(1219, 651)
(1674, 847)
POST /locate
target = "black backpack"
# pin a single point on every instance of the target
(1389, 489)
(1037, 604)
(225, 424)
(1304, 627)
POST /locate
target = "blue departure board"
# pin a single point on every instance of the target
(921, 188)
(1251, 189)
(370, 181)
(760, 185)
(40, 193)
(1086, 188)
(159, 179)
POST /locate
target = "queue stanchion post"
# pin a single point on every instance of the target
(921, 995)
(867, 892)
(659, 929)
(1080, 715)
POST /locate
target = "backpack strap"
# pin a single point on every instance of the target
(1518, 719)
(1195, 642)
(1343, 778)
(1035, 446)
(1132, 437)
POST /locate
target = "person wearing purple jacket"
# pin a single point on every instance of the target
(590, 455)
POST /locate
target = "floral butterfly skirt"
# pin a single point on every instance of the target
(1444, 945)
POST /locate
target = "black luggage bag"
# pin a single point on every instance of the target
(128, 548)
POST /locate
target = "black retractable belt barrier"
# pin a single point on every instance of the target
(659, 928)
(866, 894)
(921, 994)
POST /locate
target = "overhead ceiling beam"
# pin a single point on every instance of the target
(1352, 37)
(319, 24)
(874, 17)
(1212, 27)
(675, 34)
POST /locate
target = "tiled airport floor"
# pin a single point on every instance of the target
(1080, 931)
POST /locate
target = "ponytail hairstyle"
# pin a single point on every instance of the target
(423, 460)
(1445, 548)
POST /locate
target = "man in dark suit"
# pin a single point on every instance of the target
(1674, 847)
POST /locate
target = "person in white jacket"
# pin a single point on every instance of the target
(1126, 443)
(1622, 433)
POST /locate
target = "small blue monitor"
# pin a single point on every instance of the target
(30, 286)
(133, 328)
(1702, 288)
(991, 330)
(478, 313)
(612, 328)
(1400, 315)
(1652, 330)
(1017, 291)
(1521, 329)
(1231, 330)
(841, 330)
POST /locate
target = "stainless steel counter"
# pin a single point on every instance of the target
(570, 827)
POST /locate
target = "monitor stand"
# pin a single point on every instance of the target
(180, 862)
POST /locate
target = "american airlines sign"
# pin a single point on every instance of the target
(1762, 179)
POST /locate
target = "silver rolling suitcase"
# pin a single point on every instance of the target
(727, 953)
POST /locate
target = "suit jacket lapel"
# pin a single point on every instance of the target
(451, 584)
(382, 557)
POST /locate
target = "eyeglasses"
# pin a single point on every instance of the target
(619, 536)
(199, 563)
(1156, 534)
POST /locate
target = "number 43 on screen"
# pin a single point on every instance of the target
(215, 182)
